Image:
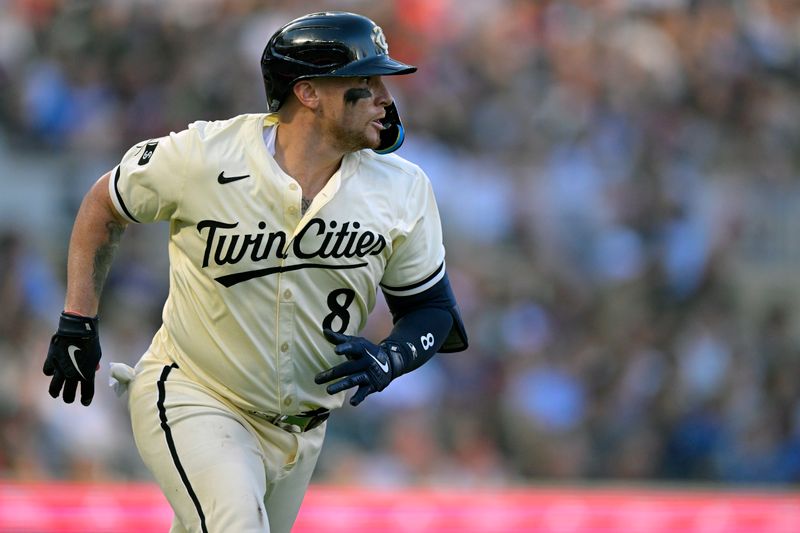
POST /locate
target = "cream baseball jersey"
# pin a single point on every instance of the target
(253, 280)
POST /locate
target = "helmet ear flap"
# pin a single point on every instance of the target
(393, 135)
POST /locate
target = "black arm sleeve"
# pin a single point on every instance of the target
(439, 296)
(424, 324)
(418, 335)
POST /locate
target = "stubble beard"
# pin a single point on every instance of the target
(349, 139)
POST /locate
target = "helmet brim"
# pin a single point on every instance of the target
(379, 65)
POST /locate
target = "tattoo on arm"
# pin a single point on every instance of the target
(105, 255)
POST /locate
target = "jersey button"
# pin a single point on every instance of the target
(288, 401)
(293, 187)
(292, 210)
(287, 294)
(285, 347)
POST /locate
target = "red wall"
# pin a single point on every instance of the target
(62, 508)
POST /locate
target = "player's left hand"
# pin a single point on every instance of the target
(369, 366)
(73, 358)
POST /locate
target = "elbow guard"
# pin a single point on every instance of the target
(439, 296)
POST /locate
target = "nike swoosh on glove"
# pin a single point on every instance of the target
(73, 358)
(369, 366)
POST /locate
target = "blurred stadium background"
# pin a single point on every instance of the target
(619, 184)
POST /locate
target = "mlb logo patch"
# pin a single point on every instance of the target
(148, 153)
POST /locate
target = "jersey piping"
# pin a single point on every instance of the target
(414, 288)
(117, 200)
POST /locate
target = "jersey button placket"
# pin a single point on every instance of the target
(287, 347)
(288, 388)
(291, 199)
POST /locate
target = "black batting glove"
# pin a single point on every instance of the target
(369, 366)
(73, 358)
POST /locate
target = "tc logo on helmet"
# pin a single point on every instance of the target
(380, 40)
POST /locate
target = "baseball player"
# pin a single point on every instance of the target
(283, 226)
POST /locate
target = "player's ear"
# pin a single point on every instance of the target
(307, 93)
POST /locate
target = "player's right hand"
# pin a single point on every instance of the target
(73, 358)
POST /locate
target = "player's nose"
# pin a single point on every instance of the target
(382, 95)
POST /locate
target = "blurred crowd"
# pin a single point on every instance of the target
(618, 182)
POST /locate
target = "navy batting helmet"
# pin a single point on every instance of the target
(331, 44)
